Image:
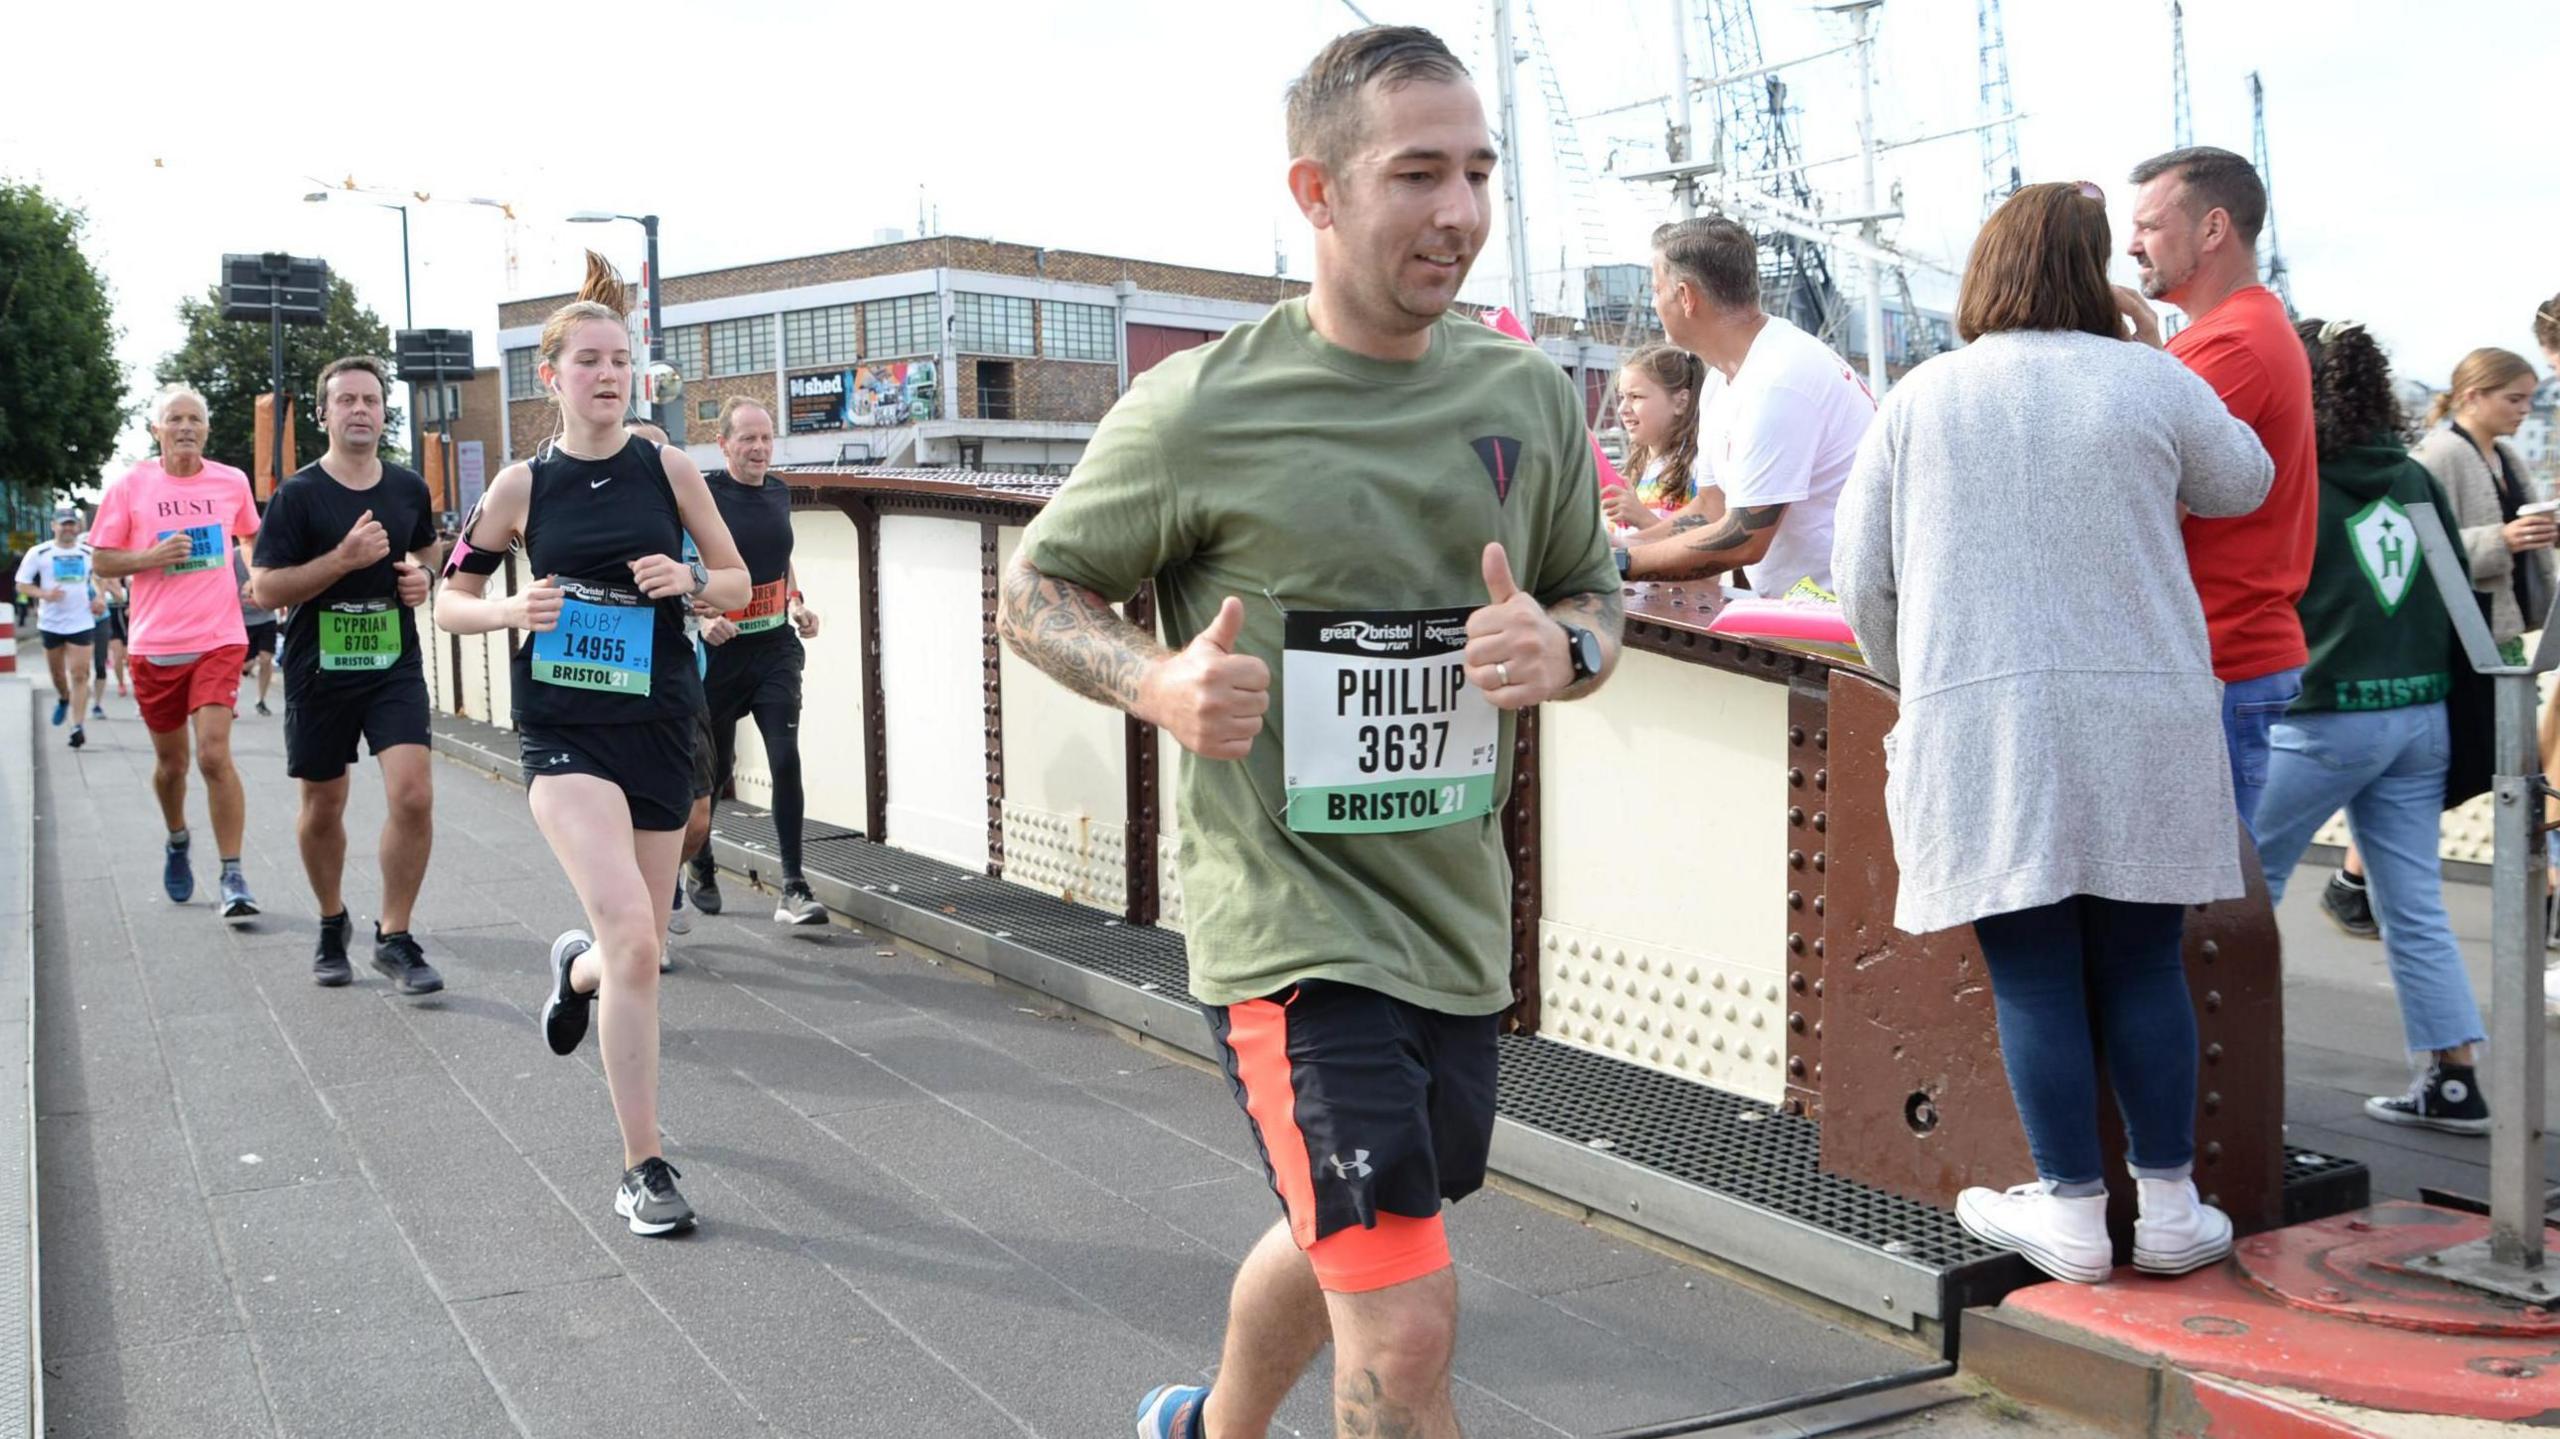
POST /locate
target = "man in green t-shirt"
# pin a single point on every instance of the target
(1380, 524)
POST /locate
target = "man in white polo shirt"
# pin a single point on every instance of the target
(1778, 438)
(60, 577)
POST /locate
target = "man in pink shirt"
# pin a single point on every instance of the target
(172, 524)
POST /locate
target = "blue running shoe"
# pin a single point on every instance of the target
(61, 711)
(177, 876)
(237, 902)
(1172, 1412)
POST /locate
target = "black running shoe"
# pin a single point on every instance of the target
(2446, 1097)
(329, 967)
(704, 882)
(404, 963)
(2349, 907)
(79, 736)
(798, 905)
(649, 1200)
(564, 1014)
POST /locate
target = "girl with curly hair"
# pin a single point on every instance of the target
(2369, 733)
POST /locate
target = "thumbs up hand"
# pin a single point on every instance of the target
(1515, 653)
(1208, 697)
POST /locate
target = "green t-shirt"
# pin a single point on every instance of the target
(1299, 476)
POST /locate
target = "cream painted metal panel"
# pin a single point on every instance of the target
(435, 647)
(1066, 784)
(1168, 833)
(475, 687)
(931, 653)
(826, 554)
(497, 650)
(1664, 850)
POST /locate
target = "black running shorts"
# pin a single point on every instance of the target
(262, 641)
(651, 761)
(764, 673)
(54, 641)
(321, 729)
(1367, 1109)
(706, 757)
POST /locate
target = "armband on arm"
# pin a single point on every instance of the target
(470, 559)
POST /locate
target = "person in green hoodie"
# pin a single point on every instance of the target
(2368, 734)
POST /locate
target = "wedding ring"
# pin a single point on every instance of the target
(1502, 672)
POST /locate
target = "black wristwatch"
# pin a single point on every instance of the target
(1583, 648)
(1622, 556)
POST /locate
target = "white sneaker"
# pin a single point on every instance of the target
(680, 918)
(2064, 1237)
(2177, 1232)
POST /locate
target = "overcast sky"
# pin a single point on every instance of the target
(2410, 157)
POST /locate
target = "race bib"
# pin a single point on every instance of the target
(359, 635)
(70, 569)
(604, 641)
(1384, 732)
(204, 548)
(767, 607)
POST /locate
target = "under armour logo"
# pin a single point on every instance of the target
(1357, 1168)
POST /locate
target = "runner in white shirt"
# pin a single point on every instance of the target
(1778, 438)
(60, 576)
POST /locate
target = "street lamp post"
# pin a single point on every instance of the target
(408, 300)
(649, 281)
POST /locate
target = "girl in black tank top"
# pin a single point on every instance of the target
(588, 520)
(604, 692)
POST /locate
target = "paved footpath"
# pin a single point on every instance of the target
(932, 1205)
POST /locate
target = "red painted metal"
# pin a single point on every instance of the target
(2371, 1266)
(2223, 1321)
(8, 642)
(2221, 1409)
(1149, 345)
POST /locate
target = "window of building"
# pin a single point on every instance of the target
(682, 345)
(995, 389)
(903, 326)
(819, 337)
(743, 346)
(991, 324)
(524, 379)
(1079, 332)
(707, 411)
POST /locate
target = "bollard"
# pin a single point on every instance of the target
(9, 641)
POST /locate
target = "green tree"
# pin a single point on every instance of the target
(228, 361)
(61, 390)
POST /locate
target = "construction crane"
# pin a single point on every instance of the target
(2000, 176)
(2182, 119)
(1756, 135)
(2271, 267)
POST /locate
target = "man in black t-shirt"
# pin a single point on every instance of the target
(348, 543)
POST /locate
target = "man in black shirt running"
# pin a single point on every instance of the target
(348, 543)
(756, 656)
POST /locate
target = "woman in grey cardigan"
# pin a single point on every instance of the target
(2009, 554)
(2467, 452)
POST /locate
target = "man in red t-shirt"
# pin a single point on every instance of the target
(2195, 237)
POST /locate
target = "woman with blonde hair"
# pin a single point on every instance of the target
(1661, 389)
(2466, 449)
(2009, 554)
(605, 690)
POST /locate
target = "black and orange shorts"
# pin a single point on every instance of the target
(1369, 1112)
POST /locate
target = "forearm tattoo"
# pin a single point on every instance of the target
(1074, 637)
(1711, 550)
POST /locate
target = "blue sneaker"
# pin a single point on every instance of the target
(1172, 1412)
(177, 876)
(237, 903)
(61, 711)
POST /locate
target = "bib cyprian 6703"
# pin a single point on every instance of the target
(1384, 732)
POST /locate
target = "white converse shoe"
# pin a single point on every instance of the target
(2177, 1233)
(2064, 1237)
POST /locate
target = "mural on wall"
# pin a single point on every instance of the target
(894, 392)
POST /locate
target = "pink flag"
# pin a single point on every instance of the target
(1501, 318)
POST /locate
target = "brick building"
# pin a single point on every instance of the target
(936, 351)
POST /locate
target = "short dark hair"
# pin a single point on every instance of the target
(369, 364)
(2040, 263)
(1326, 114)
(2216, 180)
(1716, 256)
(2351, 399)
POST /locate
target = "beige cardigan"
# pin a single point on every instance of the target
(2456, 464)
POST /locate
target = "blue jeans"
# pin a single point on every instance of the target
(2054, 966)
(2385, 768)
(2250, 709)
